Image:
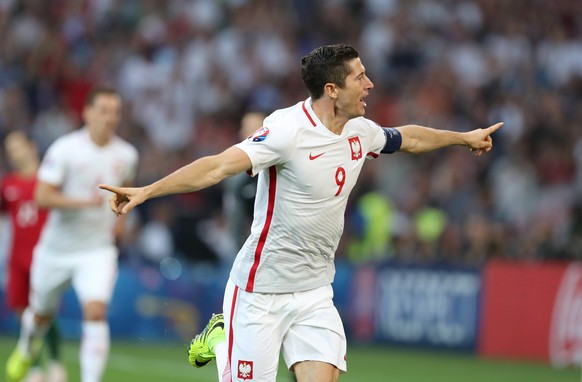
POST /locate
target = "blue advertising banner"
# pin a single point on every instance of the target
(434, 307)
(429, 307)
(146, 305)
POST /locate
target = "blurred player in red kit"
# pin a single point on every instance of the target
(27, 220)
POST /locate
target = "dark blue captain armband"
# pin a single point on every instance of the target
(393, 140)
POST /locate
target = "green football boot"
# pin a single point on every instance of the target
(201, 349)
(17, 366)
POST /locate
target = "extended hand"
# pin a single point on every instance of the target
(480, 141)
(124, 198)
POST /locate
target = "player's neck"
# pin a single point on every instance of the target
(98, 139)
(28, 170)
(329, 116)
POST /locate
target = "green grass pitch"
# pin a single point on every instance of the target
(149, 362)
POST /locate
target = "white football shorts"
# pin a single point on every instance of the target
(305, 326)
(91, 273)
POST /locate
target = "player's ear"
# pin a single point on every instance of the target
(330, 89)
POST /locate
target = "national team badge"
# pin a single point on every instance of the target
(259, 135)
(245, 369)
(356, 147)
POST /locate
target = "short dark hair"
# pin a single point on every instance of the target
(326, 64)
(100, 90)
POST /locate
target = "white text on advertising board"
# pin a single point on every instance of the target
(430, 306)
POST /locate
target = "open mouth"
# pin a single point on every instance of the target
(363, 102)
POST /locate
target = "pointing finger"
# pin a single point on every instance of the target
(494, 128)
(114, 189)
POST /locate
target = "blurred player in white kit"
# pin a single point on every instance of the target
(278, 299)
(77, 245)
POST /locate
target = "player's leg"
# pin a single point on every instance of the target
(315, 345)
(255, 326)
(24, 362)
(94, 280)
(202, 347)
(221, 352)
(55, 372)
(17, 290)
(95, 341)
(17, 287)
(48, 279)
(315, 371)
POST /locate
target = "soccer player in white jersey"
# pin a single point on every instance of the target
(308, 157)
(77, 245)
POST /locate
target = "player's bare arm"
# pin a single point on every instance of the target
(198, 175)
(418, 139)
(48, 195)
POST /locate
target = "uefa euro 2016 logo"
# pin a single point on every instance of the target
(259, 135)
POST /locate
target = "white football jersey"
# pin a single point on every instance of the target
(77, 166)
(306, 174)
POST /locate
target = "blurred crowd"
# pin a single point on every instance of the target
(188, 70)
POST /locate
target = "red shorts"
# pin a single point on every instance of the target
(18, 286)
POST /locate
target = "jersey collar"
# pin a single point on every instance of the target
(314, 120)
(309, 113)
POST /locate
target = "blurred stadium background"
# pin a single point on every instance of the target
(451, 268)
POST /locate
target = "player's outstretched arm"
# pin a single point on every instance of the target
(418, 139)
(48, 195)
(200, 174)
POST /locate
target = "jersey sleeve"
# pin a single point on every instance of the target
(377, 139)
(54, 164)
(269, 146)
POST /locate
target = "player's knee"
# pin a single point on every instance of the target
(95, 311)
(312, 371)
(42, 319)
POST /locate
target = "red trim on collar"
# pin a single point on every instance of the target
(307, 114)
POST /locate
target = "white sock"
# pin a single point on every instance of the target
(29, 333)
(94, 350)
(221, 352)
